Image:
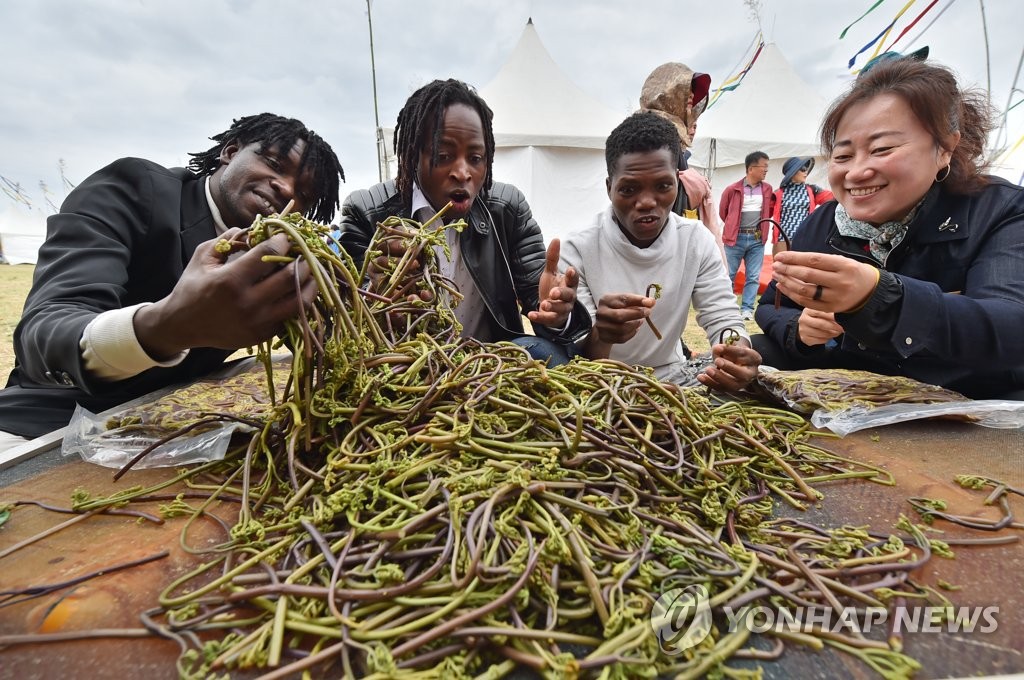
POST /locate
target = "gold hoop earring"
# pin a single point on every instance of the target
(942, 179)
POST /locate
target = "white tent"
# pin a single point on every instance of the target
(773, 110)
(549, 137)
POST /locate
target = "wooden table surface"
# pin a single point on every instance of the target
(924, 457)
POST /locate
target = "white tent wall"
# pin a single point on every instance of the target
(20, 248)
(564, 186)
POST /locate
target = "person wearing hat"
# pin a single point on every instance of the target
(679, 94)
(795, 199)
(697, 192)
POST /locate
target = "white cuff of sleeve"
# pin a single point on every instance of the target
(568, 321)
(110, 350)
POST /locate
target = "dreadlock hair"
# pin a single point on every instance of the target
(278, 134)
(422, 115)
(643, 131)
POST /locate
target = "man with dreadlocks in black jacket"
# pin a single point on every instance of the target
(445, 147)
(129, 294)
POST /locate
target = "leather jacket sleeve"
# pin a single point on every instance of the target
(523, 243)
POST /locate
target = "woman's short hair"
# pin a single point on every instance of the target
(936, 99)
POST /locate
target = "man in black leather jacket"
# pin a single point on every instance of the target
(445, 145)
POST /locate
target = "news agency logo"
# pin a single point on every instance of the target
(916, 619)
(681, 618)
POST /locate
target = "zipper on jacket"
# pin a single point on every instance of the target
(860, 257)
(508, 269)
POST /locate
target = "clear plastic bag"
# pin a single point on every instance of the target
(240, 392)
(987, 412)
(891, 399)
(88, 436)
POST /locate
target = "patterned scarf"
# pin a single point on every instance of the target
(881, 240)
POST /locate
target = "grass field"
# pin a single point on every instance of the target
(15, 282)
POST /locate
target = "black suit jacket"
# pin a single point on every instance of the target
(123, 236)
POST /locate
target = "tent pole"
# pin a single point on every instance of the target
(712, 158)
(376, 115)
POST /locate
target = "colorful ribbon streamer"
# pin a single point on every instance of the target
(911, 24)
(880, 38)
(843, 34)
(733, 82)
(1009, 152)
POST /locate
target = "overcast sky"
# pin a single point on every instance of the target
(89, 81)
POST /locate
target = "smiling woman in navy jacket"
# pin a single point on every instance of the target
(918, 269)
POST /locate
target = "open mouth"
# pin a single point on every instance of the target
(461, 200)
(648, 220)
(864, 192)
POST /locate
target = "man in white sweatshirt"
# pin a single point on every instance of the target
(638, 243)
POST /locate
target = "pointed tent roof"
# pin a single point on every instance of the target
(773, 110)
(535, 103)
